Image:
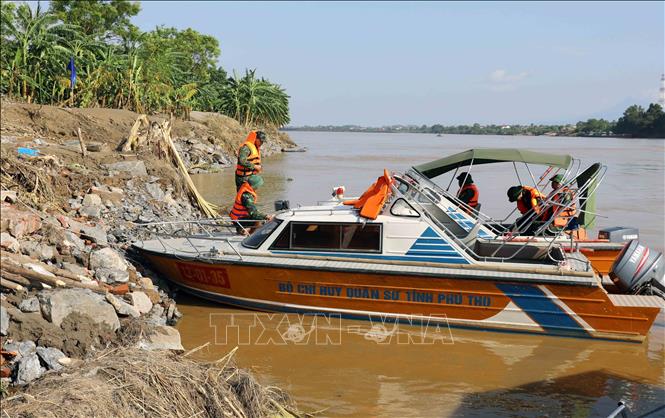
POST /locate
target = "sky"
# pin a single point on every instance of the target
(384, 63)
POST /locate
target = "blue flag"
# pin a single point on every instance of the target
(72, 75)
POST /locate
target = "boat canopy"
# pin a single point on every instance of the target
(491, 155)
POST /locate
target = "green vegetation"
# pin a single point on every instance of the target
(635, 122)
(118, 66)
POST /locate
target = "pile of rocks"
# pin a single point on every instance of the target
(68, 286)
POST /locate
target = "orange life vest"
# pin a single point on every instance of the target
(473, 202)
(563, 216)
(254, 156)
(530, 200)
(239, 210)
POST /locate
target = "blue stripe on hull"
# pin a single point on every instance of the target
(542, 309)
(265, 307)
(432, 259)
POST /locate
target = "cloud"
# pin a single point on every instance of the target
(502, 76)
(501, 80)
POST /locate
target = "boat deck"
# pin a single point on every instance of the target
(228, 250)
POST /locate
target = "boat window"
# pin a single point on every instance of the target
(402, 186)
(260, 235)
(361, 237)
(330, 237)
(315, 235)
(283, 240)
(403, 208)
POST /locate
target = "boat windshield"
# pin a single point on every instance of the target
(260, 235)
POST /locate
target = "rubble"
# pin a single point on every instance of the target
(69, 289)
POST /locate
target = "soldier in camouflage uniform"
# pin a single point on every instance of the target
(249, 157)
(244, 208)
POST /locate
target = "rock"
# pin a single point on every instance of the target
(141, 302)
(120, 289)
(107, 258)
(92, 200)
(19, 223)
(22, 349)
(29, 305)
(57, 305)
(146, 283)
(155, 191)
(94, 234)
(51, 357)
(74, 204)
(28, 369)
(112, 275)
(156, 316)
(95, 146)
(39, 251)
(121, 307)
(91, 211)
(9, 243)
(162, 338)
(8, 196)
(4, 320)
(65, 361)
(71, 243)
(75, 268)
(135, 168)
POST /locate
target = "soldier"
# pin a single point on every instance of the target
(563, 210)
(529, 203)
(468, 192)
(249, 157)
(244, 209)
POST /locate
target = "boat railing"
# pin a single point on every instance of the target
(220, 229)
(463, 242)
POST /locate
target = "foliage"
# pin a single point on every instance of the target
(254, 102)
(635, 122)
(163, 70)
(640, 123)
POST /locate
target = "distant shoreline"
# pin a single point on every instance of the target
(378, 131)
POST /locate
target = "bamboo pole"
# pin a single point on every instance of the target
(16, 278)
(33, 275)
(8, 284)
(83, 148)
(210, 209)
(23, 259)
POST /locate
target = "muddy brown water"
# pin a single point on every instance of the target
(358, 368)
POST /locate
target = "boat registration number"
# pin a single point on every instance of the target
(213, 276)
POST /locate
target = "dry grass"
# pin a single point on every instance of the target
(133, 383)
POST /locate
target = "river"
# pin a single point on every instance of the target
(347, 371)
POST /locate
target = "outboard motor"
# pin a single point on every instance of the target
(639, 270)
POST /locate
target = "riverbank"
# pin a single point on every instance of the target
(77, 306)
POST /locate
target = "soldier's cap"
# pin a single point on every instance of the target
(514, 193)
(558, 178)
(468, 177)
(261, 135)
(255, 181)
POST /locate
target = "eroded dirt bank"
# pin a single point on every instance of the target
(80, 315)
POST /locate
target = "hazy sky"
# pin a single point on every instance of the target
(378, 63)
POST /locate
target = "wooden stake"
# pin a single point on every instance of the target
(8, 284)
(15, 278)
(33, 275)
(83, 149)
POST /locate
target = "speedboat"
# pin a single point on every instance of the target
(401, 253)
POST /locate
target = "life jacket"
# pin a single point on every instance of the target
(530, 199)
(473, 202)
(239, 210)
(254, 156)
(564, 215)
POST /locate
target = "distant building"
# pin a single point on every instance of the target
(661, 99)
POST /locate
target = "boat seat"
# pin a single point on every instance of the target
(516, 251)
(472, 236)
